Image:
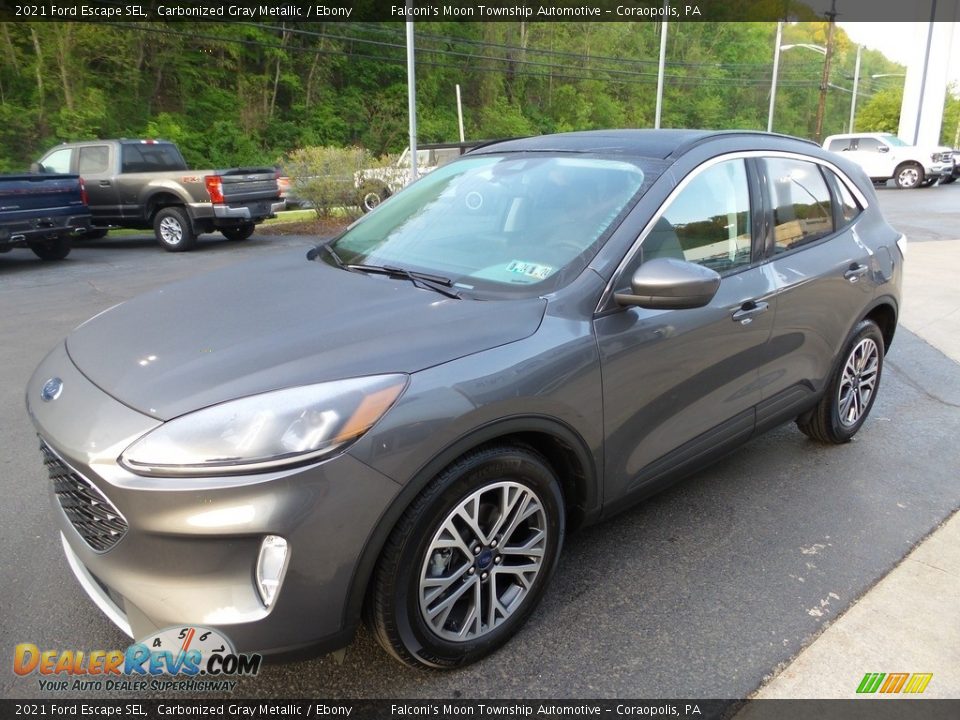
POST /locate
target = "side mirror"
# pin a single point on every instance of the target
(669, 284)
(883, 149)
(36, 168)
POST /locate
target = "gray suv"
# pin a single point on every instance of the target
(405, 424)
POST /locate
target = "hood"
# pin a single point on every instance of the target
(277, 323)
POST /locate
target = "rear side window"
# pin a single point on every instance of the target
(94, 159)
(838, 145)
(849, 207)
(802, 205)
(58, 161)
(150, 157)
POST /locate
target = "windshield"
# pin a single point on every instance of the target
(894, 140)
(498, 225)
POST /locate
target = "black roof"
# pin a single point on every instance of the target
(641, 143)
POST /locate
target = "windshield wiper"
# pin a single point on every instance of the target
(437, 283)
(326, 248)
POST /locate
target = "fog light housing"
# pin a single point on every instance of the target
(271, 566)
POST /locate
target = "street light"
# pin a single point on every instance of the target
(776, 67)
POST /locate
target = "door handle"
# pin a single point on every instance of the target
(749, 310)
(104, 183)
(855, 272)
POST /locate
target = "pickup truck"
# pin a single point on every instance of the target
(374, 185)
(146, 184)
(884, 156)
(43, 213)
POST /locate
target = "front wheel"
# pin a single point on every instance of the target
(469, 560)
(851, 391)
(52, 249)
(240, 232)
(371, 194)
(908, 175)
(173, 230)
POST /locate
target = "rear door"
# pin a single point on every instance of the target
(94, 166)
(822, 273)
(680, 384)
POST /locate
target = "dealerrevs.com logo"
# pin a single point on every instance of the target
(191, 659)
(892, 683)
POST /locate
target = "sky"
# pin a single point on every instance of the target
(889, 38)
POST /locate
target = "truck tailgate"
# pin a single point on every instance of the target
(245, 184)
(30, 193)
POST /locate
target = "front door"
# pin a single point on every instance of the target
(678, 384)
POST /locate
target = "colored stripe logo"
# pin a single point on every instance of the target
(890, 683)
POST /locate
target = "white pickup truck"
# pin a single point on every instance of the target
(884, 156)
(374, 185)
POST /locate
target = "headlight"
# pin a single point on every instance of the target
(266, 431)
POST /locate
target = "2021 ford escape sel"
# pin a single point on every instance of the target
(406, 422)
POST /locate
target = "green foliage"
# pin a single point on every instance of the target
(235, 94)
(882, 112)
(326, 176)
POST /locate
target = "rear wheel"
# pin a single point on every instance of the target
(851, 391)
(240, 232)
(52, 249)
(469, 560)
(173, 230)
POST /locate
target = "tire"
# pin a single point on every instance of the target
(240, 232)
(52, 249)
(413, 576)
(173, 230)
(849, 395)
(908, 176)
(948, 179)
(94, 234)
(371, 195)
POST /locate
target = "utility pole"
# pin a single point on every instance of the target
(825, 79)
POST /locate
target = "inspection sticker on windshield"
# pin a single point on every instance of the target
(530, 269)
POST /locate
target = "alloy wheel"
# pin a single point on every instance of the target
(482, 561)
(858, 382)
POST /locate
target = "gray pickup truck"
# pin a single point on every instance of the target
(43, 213)
(146, 184)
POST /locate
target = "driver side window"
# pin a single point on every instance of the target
(708, 223)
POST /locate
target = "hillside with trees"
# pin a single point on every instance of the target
(240, 93)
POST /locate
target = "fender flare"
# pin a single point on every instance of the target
(364, 567)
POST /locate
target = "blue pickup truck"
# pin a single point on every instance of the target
(42, 212)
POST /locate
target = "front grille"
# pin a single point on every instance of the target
(99, 523)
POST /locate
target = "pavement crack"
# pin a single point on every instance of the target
(918, 387)
(932, 567)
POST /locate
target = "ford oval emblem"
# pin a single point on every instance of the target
(51, 389)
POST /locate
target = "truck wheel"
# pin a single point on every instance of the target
(173, 230)
(52, 249)
(241, 232)
(909, 175)
(371, 195)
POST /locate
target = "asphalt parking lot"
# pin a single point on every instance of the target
(702, 591)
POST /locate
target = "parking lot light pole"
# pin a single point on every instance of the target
(856, 83)
(412, 101)
(776, 67)
(660, 71)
